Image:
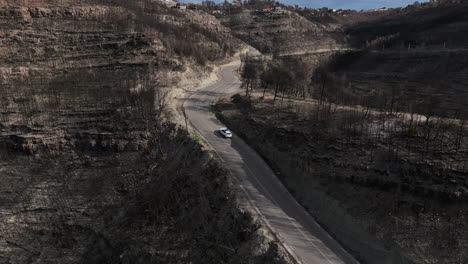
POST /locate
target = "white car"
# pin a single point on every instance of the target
(225, 132)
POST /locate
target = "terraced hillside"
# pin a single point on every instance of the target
(285, 33)
(92, 170)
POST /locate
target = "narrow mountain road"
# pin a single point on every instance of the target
(300, 234)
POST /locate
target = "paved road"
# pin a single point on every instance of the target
(301, 235)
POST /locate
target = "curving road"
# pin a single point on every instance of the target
(305, 240)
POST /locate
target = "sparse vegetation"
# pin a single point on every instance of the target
(402, 181)
(363, 114)
(92, 169)
(379, 130)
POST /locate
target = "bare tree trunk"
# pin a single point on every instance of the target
(322, 92)
(282, 97)
(276, 92)
(185, 119)
(264, 90)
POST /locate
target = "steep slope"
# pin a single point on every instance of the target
(428, 25)
(414, 55)
(370, 179)
(92, 170)
(285, 33)
(409, 59)
(360, 136)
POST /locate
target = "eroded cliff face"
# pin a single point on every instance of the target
(92, 170)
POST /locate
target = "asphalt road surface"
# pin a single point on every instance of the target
(305, 240)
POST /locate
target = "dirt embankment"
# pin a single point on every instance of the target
(92, 171)
(372, 180)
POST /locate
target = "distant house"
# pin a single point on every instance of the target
(217, 12)
(270, 11)
(191, 6)
(378, 9)
(168, 3)
(278, 11)
(180, 6)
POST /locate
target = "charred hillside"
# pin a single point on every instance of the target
(414, 55)
(64, 66)
(375, 134)
(93, 170)
(429, 25)
(272, 28)
(409, 59)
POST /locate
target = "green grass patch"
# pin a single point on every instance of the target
(197, 137)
